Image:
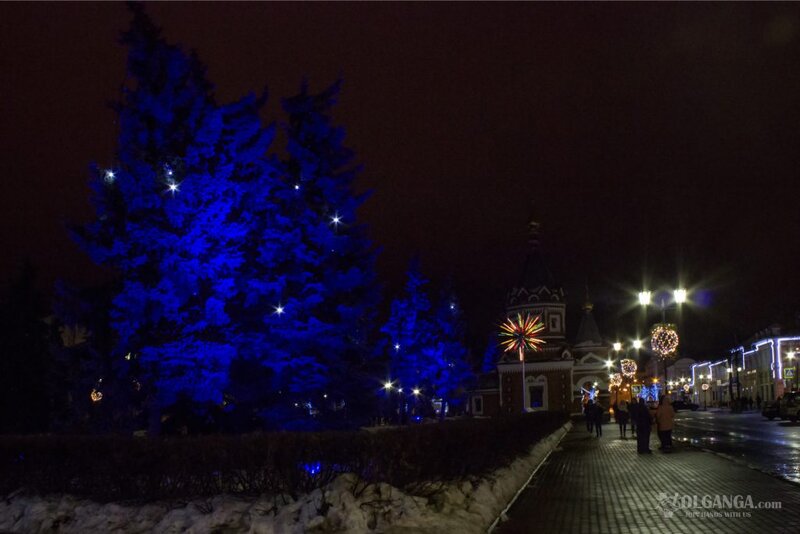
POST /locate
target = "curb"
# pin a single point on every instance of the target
(566, 428)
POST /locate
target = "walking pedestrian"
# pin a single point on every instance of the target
(665, 415)
(758, 401)
(642, 428)
(621, 415)
(588, 414)
(597, 415)
(633, 407)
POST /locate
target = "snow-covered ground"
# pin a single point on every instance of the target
(465, 507)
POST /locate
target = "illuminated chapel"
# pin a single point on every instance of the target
(564, 372)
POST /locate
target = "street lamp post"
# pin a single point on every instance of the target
(738, 386)
(705, 387)
(679, 297)
(790, 356)
(387, 387)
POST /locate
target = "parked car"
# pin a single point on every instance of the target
(771, 410)
(790, 407)
(682, 405)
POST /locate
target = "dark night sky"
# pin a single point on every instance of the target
(659, 142)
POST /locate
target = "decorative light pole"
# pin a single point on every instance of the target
(664, 336)
(790, 376)
(627, 366)
(705, 387)
(520, 335)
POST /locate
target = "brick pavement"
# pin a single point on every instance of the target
(591, 485)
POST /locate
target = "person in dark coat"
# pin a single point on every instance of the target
(621, 415)
(597, 416)
(633, 407)
(643, 424)
(588, 414)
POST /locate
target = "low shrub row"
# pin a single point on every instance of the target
(112, 468)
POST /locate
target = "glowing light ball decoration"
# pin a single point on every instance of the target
(520, 334)
(615, 380)
(96, 395)
(664, 340)
(686, 388)
(628, 367)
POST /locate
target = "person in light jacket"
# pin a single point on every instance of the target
(665, 415)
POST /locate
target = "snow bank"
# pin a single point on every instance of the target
(345, 505)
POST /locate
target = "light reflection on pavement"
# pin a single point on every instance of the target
(771, 446)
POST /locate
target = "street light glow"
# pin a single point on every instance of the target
(617, 346)
(609, 363)
(680, 296)
(415, 391)
(644, 298)
(387, 385)
(637, 344)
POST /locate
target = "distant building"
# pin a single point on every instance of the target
(766, 368)
(679, 378)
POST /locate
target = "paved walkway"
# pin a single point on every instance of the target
(591, 485)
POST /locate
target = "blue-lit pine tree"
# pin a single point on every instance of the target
(163, 223)
(426, 343)
(320, 171)
(190, 218)
(491, 355)
(450, 370)
(410, 333)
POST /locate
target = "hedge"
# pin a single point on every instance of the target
(114, 468)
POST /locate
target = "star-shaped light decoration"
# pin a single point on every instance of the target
(173, 187)
(521, 334)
